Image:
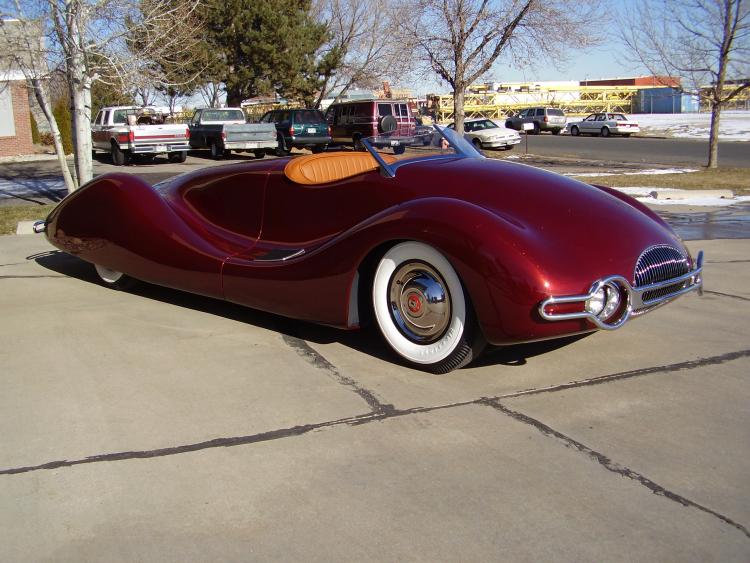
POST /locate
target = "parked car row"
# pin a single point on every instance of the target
(127, 132)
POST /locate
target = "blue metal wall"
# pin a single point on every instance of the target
(666, 100)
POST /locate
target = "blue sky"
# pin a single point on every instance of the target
(603, 61)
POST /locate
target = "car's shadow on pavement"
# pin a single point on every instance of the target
(366, 341)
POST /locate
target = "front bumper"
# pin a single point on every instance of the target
(637, 300)
(497, 143)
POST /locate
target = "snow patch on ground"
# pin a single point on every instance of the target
(646, 195)
(733, 126)
(653, 171)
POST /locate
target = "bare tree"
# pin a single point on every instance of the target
(111, 40)
(24, 50)
(362, 48)
(705, 42)
(211, 94)
(460, 40)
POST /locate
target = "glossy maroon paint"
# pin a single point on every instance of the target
(514, 234)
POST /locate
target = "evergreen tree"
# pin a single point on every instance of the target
(61, 111)
(265, 47)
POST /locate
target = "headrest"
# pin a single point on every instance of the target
(331, 166)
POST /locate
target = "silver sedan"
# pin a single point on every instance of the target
(484, 133)
(604, 124)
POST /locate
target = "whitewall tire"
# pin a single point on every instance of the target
(113, 278)
(421, 309)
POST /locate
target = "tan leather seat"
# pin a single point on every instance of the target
(331, 167)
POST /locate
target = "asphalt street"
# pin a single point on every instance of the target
(153, 425)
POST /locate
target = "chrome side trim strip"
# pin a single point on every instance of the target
(635, 303)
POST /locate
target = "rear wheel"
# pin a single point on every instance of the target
(281, 149)
(119, 156)
(626, 134)
(358, 144)
(114, 279)
(555, 131)
(421, 309)
(318, 149)
(216, 152)
(536, 129)
(177, 157)
(605, 132)
(260, 154)
(575, 131)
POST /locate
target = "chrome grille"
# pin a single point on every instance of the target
(657, 264)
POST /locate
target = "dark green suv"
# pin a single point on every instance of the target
(299, 128)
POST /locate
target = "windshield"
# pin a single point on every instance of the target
(223, 115)
(437, 141)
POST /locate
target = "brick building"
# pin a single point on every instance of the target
(15, 120)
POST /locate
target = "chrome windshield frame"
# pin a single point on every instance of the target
(462, 148)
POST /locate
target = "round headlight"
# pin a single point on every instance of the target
(595, 304)
(613, 303)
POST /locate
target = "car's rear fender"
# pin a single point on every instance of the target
(120, 222)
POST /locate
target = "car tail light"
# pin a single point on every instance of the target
(187, 133)
(223, 135)
(291, 131)
(330, 131)
(123, 137)
(131, 136)
(546, 119)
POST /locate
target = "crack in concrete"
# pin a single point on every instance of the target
(610, 465)
(28, 277)
(386, 412)
(669, 368)
(720, 294)
(316, 359)
(13, 264)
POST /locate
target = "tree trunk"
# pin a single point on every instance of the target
(458, 109)
(80, 93)
(40, 92)
(234, 97)
(713, 136)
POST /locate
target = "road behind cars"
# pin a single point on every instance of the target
(159, 425)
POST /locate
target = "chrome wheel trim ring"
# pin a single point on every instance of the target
(419, 302)
(107, 275)
(418, 353)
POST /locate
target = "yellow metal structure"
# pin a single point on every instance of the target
(573, 100)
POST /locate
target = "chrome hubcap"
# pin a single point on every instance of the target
(419, 302)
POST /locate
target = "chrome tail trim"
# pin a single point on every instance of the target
(636, 301)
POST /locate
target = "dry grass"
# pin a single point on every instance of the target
(10, 215)
(735, 179)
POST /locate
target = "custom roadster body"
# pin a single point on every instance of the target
(444, 251)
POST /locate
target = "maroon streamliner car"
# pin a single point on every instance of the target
(446, 250)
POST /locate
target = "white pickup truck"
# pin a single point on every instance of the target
(121, 131)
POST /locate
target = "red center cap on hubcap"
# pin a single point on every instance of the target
(415, 304)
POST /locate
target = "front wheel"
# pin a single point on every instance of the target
(421, 309)
(477, 144)
(575, 131)
(114, 279)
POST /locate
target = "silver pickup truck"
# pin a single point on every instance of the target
(224, 130)
(127, 131)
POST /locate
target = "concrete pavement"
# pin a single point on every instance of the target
(159, 426)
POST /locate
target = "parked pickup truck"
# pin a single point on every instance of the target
(126, 131)
(224, 130)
